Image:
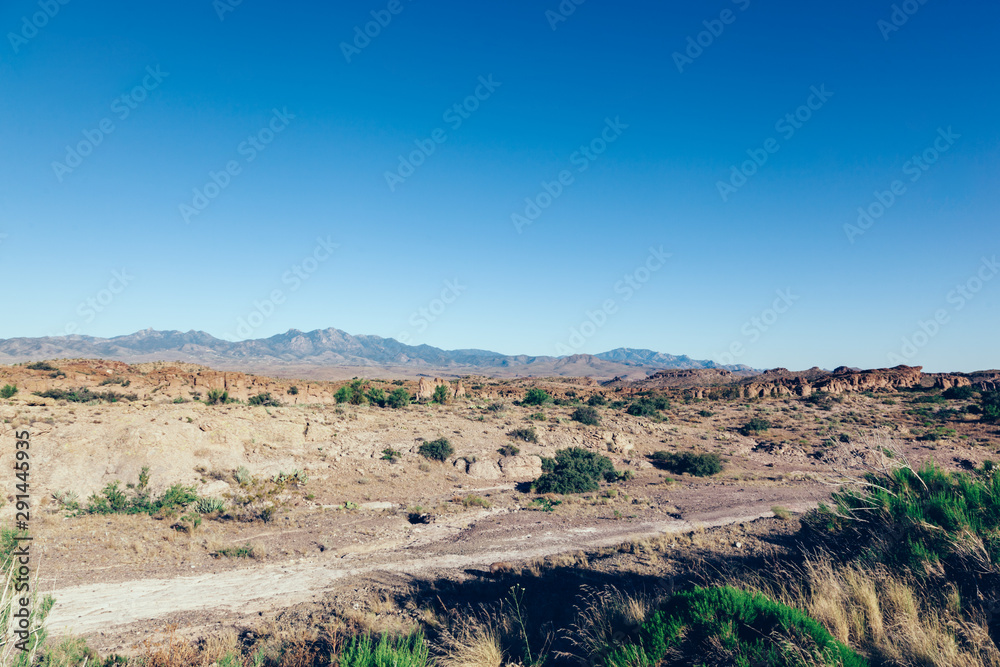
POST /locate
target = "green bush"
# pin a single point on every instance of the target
(41, 366)
(537, 416)
(574, 470)
(755, 425)
(527, 434)
(217, 397)
(699, 465)
(8, 391)
(135, 498)
(364, 651)
(927, 521)
(353, 393)
(293, 390)
(648, 406)
(84, 395)
(586, 415)
(264, 399)
(959, 393)
(596, 400)
(536, 396)
(391, 455)
(441, 394)
(725, 625)
(376, 396)
(509, 450)
(398, 398)
(706, 413)
(439, 449)
(989, 404)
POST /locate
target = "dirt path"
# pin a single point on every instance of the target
(100, 608)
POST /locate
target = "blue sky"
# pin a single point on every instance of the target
(269, 166)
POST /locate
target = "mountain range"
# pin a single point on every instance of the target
(332, 353)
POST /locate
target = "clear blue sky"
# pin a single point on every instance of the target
(310, 128)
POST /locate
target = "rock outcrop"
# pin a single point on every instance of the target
(521, 468)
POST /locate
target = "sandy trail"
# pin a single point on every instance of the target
(95, 608)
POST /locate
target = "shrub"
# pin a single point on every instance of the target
(391, 455)
(209, 505)
(84, 395)
(441, 394)
(439, 449)
(41, 366)
(217, 396)
(699, 465)
(754, 426)
(364, 651)
(989, 404)
(586, 415)
(376, 396)
(293, 390)
(536, 396)
(526, 434)
(537, 416)
(8, 391)
(596, 400)
(958, 393)
(706, 413)
(724, 625)
(496, 406)
(574, 470)
(264, 399)
(648, 406)
(509, 450)
(398, 398)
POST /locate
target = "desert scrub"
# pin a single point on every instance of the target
(597, 400)
(648, 406)
(574, 470)
(441, 394)
(398, 398)
(218, 397)
(699, 465)
(366, 651)
(476, 501)
(537, 416)
(438, 450)
(264, 399)
(41, 366)
(755, 425)
(83, 395)
(391, 455)
(526, 434)
(18, 651)
(8, 391)
(724, 625)
(536, 396)
(586, 415)
(509, 450)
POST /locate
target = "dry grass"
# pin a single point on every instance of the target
(472, 643)
(882, 614)
(605, 617)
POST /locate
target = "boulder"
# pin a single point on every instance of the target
(485, 470)
(620, 444)
(521, 468)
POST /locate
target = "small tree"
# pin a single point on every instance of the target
(439, 449)
(441, 394)
(8, 391)
(536, 396)
(376, 396)
(989, 403)
(596, 400)
(586, 415)
(293, 390)
(574, 470)
(399, 398)
(755, 425)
